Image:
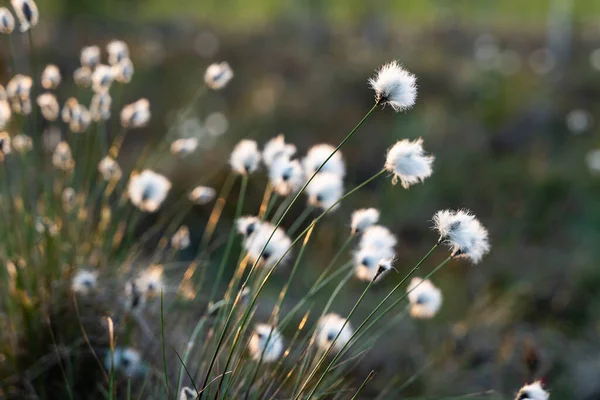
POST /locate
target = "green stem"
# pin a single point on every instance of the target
(369, 377)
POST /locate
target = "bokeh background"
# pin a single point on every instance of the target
(508, 104)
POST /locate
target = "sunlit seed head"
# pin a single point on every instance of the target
(136, 115)
(90, 57)
(425, 299)
(27, 13)
(109, 169)
(102, 78)
(5, 144)
(68, 198)
(218, 75)
(188, 393)
(83, 77)
(81, 119)
(275, 148)
(21, 106)
(7, 21)
(317, 155)
(463, 233)
(148, 190)
(247, 225)
(22, 143)
(44, 225)
(50, 77)
(69, 109)
(181, 238)
(62, 158)
(266, 344)
(325, 190)
(117, 51)
(184, 147)
(377, 237)
(18, 91)
(100, 106)
(49, 106)
(274, 249)
(125, 361)
(368, 260)
(395, 86)
(150, 282)
(84, 282)
(123, 70)
(245, 157)
(5, 113)
(408, 162)
(533, 391)
(385, 266)
(286, 176)
(328, 328)
(202, 195)
(362, 219)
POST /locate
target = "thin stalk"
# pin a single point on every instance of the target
(369, 377)
(300, 220)
(162, 341)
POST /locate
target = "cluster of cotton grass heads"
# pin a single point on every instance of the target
(73, 258)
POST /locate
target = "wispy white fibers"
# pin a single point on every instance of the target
(145, 287)
(123, 71)
(325, 190)
(49, 106)
(7, 21)
(463, 233)
(136, 115)
(217, 76)
(148, 190)
(286, 176)
(202, 195)
(245, 157)
(102, 78)
(100, 106)
(50, 77)
(184, 147)
(274, 250)
(367, 261)
(363, 218)
(247, 225)
(90, 57)
(377, 237)
(181, 238)
(328, 328)
(125, 360)
(317, 155)
(109, 169)
(188, 393)
(84, 282)
(27, 13)
(408, 162)
(395, 86)
(425, 299)
(117, 51)
(266, 343)
(534, 391)
(275, 148)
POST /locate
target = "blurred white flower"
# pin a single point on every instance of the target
(325, 190)
(425, 299)
(202, 195)
(216, 124)
(102, 78)
(395, 86)
(542, 61)
(7, 21)
(362, 219)
(50, 77)
(126, 361)
(136, 115)
(286, 176)
(218, 75)
(266, 343)
(377, 237)
(533, 391)
(100, 106)
(148, 190)
(27, 13)
(90, 57)
(181, 238)
(247, 225)
(123, 71)
(188, 393)
(317, 155)
(49, 106)
(407, 161)
(328, 327)
(184, 147)
(463, 233)
(68, 198)
(367, 261)
(18, 91)
(62, 158)
(83, 77)
(578, 121)
(109, 169)
(117, 51)
(22, 143)
(81, 118)
(5, 113)
(274, 250)
(592, 159)
(150, 282)
(276, 148)
(486, 51)
(69, 109)
(245, 157)
(84, 282)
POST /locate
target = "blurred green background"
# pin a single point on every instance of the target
(508, 104)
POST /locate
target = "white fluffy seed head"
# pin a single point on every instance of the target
(102, 78)
(362, 219)
(84, 282)
(83, 77)
(395, 86)
(533, 391)
(367, 261)
(317, 155)
(245, 157)
(80, 120)
(123, 70)
(126, 361)
(148, 190)
(325, 190)
(50, 77)
(149, 284)
(62, 157)
(100, 106)
(377, 237)
(274, 250)
(109, 169)
(90, 57)
(181, 238)
(218, 75)
(425, 299)
(202, 195)
(286, 176)
(49, 106)
(22, 143)
(266, 343)
(136, 115)
(188, 393)
(275, 148)
(247, 225)
(117, 51)
(7, 21)
(463, 233)
(184, 147)
(27, 13)
(408, 162)
(328, 328)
